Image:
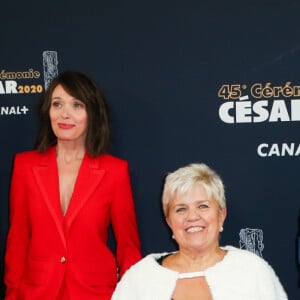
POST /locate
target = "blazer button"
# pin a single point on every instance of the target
(62, 259)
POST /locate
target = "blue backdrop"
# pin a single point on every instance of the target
(186, 81)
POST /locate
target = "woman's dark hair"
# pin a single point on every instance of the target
(84, 89)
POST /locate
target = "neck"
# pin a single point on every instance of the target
(68, 153)
(189, 261)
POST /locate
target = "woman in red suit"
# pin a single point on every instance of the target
(64, 196)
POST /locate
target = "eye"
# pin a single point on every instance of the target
(180, 209)
(56, 104)
(203, 206)
(79, 104)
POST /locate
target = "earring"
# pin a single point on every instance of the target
(173, 237)
(221, 229)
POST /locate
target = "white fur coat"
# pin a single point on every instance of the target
(241, 275)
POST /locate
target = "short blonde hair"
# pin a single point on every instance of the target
(183, 179)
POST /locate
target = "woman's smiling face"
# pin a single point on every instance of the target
(68, 116)
(195, 219)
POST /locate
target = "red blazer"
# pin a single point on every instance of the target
(47, 252)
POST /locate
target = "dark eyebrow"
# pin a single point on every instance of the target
(56, 97)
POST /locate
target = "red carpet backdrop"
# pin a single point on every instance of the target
(186, 81)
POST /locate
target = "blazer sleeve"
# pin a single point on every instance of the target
(124, 222)
(19, 231)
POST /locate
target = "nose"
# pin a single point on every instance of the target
(65, 113)
(193, 215)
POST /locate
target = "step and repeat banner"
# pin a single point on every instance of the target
(185, 82)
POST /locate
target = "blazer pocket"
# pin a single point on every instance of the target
(36, 272)
(98, 274)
